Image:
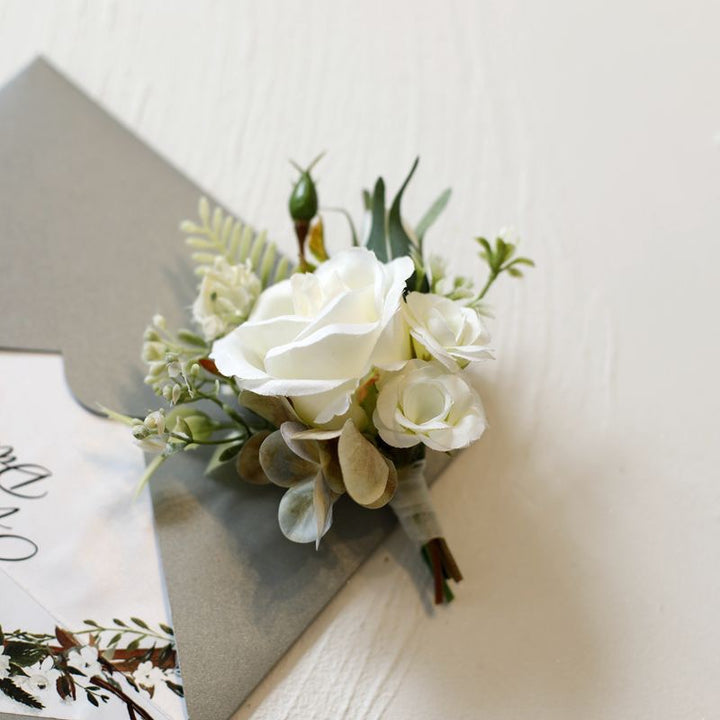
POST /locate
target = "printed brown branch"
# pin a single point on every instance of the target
(128, 660)
(131, 705)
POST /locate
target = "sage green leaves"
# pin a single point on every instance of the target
(388, 238)
(317, 470)
(500, 259)
(370, 478)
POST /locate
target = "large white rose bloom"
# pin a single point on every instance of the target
(445, 330)
(227, 295)
(424, 403)
(315, 336)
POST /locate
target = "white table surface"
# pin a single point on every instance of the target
(587, 521)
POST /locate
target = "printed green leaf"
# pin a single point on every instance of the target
(166, 629)
(377, 240)
(400, 242)
(92, 699)
(177, 689)
(9, 688)
(140, 623)
(119, 623)
(24, 654)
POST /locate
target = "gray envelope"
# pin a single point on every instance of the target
(89, 251)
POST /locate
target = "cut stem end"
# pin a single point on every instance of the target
(443, 567)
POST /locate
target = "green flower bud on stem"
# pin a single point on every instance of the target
(303, 206)
(303, 202)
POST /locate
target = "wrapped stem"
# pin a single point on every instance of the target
(414, 509)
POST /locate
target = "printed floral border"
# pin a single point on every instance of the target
(89, 662)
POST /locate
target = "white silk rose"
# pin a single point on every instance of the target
(423, 403)
(226, 297)
(315, 336)
(445, 330)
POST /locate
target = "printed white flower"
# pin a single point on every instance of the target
(226, 297)
(425, 403)
(40, 678)
(85, 660)
(4, 665)
(147, 675)
(445, 330)
(315, 336)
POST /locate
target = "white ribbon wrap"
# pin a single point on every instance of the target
(413, 506)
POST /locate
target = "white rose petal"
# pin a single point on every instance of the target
(445, 330)
(226, 297)
(424, 403)
(315, 336)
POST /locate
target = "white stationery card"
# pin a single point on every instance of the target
(77, 552)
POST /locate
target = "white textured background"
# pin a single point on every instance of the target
(587, 521)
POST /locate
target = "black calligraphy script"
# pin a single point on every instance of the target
(19, 482)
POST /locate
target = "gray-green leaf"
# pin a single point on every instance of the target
(377, 241)
(400, 242)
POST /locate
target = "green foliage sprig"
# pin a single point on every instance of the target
(500, 259)
(221, 234)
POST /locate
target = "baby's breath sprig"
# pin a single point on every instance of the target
(174, 362)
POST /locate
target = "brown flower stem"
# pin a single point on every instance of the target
(442, 566)
(131, 705)
(301, 231)
(449, 565)
(436, 562)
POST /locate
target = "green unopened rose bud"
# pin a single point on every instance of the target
(303, 204)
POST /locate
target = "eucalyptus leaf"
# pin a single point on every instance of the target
(366, 473)
(276, 410)
(296, 513)
(282, 466)
(306, 449)
(248, 460)
(323, 501)
(330, 465)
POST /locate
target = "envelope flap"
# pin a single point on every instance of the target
(92, 204)
(88, 253)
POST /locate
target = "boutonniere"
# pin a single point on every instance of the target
(330, 377)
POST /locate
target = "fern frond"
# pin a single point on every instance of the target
(218, 234)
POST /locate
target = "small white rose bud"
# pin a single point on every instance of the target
(425, 403)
